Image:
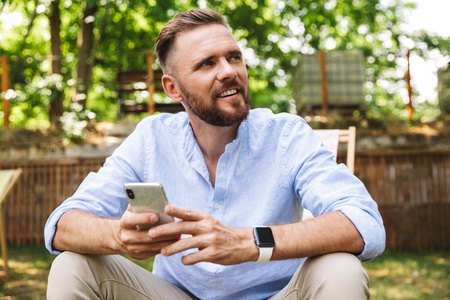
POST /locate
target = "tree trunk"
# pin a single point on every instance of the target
(85, 55)
(56, 105)
(16, 69)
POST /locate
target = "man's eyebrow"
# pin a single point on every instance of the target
(237, 51)
(203, 60)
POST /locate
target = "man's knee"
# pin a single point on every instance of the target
(70, 274)
(68, 264)
(65, 264)
(338, 273)
(335, 265)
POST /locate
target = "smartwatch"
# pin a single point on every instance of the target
(264, 241)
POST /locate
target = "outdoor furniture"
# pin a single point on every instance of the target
(131, 81)
(331, 139)
(7, 180)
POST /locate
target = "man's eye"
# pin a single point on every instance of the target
(236, 57)
(206, 64)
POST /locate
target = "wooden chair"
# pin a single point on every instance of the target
(7, 180)
(142, 80)
(331, 139)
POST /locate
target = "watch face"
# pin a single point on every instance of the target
(264, 237)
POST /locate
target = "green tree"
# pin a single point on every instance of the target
(97, 37)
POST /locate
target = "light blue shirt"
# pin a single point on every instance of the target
(275, 166)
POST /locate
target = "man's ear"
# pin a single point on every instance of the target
(171, 88)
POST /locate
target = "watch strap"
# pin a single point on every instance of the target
(265, 253)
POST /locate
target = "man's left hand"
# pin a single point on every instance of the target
(216, 242)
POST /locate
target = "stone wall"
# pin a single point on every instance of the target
(403, 142)
(83, 150)
(113, 137)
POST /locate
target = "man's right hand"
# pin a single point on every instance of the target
(137, 243)
(83, 232)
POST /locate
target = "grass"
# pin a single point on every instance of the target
(410, 275)
(394, 275)
(29, 267)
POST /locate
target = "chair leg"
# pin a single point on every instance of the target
(5, 273)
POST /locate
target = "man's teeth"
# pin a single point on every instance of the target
(227, 93)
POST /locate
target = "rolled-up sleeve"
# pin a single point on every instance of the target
(325, 186)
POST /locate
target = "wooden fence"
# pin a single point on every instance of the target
(412, 190)
(42, 186)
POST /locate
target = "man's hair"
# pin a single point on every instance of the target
(183, 22)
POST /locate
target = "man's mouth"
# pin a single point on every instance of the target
(227, 93)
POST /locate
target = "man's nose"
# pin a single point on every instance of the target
(225, 71)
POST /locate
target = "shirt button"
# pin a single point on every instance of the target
(217, 206)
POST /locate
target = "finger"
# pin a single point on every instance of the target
(177, 228)
(202, 223)
(131, 220)
(133, 236)
(193, 258)
(182, 245)
(204, 255)
(184, 213)
(143, 251)
(143, 255)
(148, 247)
(211, 255)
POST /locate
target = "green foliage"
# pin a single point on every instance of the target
(30, 101)
(272, 34)
(75, 121)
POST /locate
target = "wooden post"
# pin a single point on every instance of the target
(323, 75)
(5, 87)
(150, 83)
(351, 145)
(409, 108)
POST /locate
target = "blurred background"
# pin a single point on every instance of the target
(77, 75)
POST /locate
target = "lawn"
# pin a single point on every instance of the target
(394, 275)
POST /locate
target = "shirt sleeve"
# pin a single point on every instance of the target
(325, 186)
(101, 193)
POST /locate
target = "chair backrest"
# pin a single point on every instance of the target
(7, 180)
(333, 137)
(149, 80)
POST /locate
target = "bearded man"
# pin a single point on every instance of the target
(236, 180)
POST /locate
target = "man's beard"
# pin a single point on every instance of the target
(211, 113)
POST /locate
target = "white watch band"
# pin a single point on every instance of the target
(265, 253)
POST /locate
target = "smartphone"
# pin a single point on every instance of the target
(147, 197)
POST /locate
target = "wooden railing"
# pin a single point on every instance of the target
(412, 190)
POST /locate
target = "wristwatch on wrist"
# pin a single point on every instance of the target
(264, 241)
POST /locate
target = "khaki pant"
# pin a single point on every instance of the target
(76, 276)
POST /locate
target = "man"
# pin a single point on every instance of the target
(224, 169)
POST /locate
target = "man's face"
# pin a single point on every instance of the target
(211, 74)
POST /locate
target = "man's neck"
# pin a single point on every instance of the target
(212, 141)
